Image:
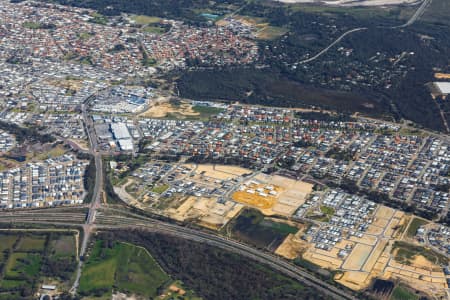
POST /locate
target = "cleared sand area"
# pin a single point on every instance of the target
(291, 247)
(208, 212)
(420, 273)
(442, 76)
(354, 280)
(365, 239)
(262, 196)
(324, 261)
(357, 258)
(165, 109)
(374, 256)
(290, 195)
(220, 172)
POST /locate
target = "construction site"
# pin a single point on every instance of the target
(273, 195)
(378, 253)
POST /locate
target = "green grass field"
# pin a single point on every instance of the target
(63, 246)
(145, 20)
(32, 25)
(128, 268)
(207, 111)
(407, 251)
(282, 228)
(154, 29)
(138, 272)
(402, 293)
(31, 244)
(12, 284)
(22, 264)
(28, 260)
(159, 189)
(414, 225)
(7, 241)
(327, 210)
(271, 33)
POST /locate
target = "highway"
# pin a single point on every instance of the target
(96, 196)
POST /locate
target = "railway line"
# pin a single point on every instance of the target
(115, 219)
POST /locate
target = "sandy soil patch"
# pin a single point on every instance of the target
(233, 170)
(291, 247)
(293, 193)
(384, 212)
(375, 230)
(365, 239)
(357, 258)
(392, 227)
(69, 84)
(220, 172)
(442, 76)
(380, 222)
(323, 261)
(354, 280)
(164, 109)
(374, 256)
(206, 211)
(257, 195)
(122, 296)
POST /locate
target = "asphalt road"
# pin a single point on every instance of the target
(419, 12)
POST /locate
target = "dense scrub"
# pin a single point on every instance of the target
(212, 272)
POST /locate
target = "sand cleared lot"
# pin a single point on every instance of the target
(292, 194)
(375, 230)
(421, 262)
(354, 280)
(357, 258)
(257, 195)
(219, 172)
(384, 212)
(323, 261)
(291, 247)
(392, 227)
(165, 109)
(206, 211)
(442, 76)
(365, 239)
(374, 256)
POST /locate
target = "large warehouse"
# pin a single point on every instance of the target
(122, 136)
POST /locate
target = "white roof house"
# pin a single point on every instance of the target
(443, 87)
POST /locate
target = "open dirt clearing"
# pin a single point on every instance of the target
(292, 194)
(165, 109)
(206, 211)
(354, 280)
(220, 172)
(357, 258)
(374, 256)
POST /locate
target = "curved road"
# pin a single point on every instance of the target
(331, 45)
(417, 14)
